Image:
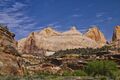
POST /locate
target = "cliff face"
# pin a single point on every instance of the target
(95, 34)
(116, 34)
(49, 39)
(6, 37)
(28, 45)
(8, 53)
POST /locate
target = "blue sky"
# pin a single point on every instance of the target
(25, 16)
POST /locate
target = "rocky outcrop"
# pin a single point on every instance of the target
(116, 34)
(6, 37)
(47, 32)
(10, 65)
(95, 34)
(7, 41)
(51, 40)
(9, 56)
(28, 45)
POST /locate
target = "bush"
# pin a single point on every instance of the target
(101, 68)
(103, 78)
(9, 77)
(115, 75)
(79, 73)
(67, 73)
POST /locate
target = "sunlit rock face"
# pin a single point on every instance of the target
(95, 34)
(7, 41)
(52, 40)
(8, 54)
(29, 45)
(116, 34)
(10, 64)
(6, 37)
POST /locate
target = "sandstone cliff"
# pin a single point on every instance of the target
(49, 39)
(95, 34)
(116, 34)
(9, 56)
(6, 37)
(28, 45)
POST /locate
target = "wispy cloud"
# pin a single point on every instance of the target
(13, 15)
(98, 15)
(17, 6)
(54, 25)
(104, 20)
(77, 15)
(110, 18)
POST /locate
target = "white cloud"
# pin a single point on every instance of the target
(109, 18)
(14, 17)
(16, 7)
(77, 15)
(53, 24)
(57, 26)
(98, 15)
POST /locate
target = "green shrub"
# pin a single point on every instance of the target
(103, 78)
(101, 68)
(67, 73)
(79, 73)
(9, 77)
(115, 75)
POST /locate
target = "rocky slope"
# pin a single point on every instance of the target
(49, 39)
(116, 34)
(95, 34)
(9, 57)
(6, 37)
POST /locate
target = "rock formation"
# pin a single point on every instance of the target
(9, 56)
(6, 37)
(10, 65)
(95, 34)
(116, 34)
(29, 45)
(47, 32)
(51, 40)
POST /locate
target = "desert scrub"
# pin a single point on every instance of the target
(9, 77)
(115, 75)
(101, 68)
(79, 73)
(67, 73)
